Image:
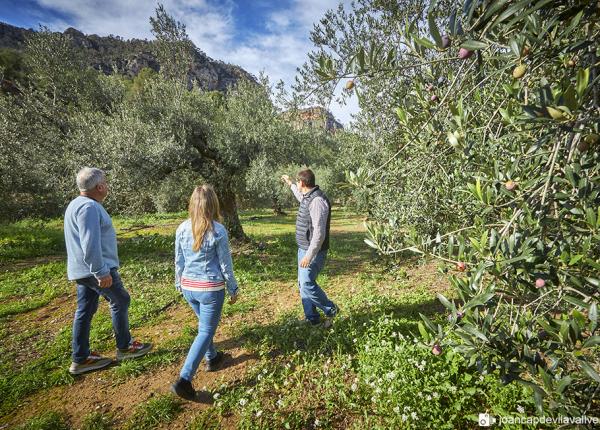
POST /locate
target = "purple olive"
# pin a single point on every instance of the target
(464, 53)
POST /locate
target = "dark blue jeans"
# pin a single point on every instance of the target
(88, 293)
(311, 293)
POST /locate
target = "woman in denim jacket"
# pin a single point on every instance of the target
(203, 269)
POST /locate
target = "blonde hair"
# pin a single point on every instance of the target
(203, 210)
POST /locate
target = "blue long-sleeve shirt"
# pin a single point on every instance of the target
(212, 262)
(90, 238)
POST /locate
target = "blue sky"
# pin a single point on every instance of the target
(259, 35)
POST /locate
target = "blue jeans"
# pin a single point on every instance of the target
(207, 305)
(88, 293)
(312, 295)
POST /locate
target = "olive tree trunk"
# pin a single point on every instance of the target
(229, 211)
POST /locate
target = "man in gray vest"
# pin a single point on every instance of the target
(312, 237)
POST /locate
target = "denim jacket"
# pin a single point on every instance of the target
(212, 262)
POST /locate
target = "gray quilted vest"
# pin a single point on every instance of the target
(304, 227)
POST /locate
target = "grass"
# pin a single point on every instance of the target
(150, 414)
(47, 421)
(97, 421)
(368, 371)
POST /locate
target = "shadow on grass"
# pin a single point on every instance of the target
(289, 335)
(29, 240)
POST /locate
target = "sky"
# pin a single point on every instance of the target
(271, 36)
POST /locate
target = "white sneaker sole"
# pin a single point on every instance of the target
(75, 370)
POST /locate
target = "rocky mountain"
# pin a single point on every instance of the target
(112, 53)
(314, 117)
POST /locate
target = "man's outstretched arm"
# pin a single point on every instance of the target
(294, 188)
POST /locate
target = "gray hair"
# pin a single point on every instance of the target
(89, 177)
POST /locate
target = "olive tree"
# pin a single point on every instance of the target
(493, 118)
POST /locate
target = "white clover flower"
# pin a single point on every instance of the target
(404, 417)
(435, 394)
(378, 390)
(374, 399)
(397, 409)
(258, 414)
(428, 397)
(216, 395)
(259, 377)
(391, 375)
(406, 408)
(397, 348)
(279, 403)
(265, 371)
(243, 402)
(413, 415)
(521, 409)
(354, 387)
(354, 340)
(393, 334)
(317, 422)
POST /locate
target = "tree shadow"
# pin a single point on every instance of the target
(288, 335)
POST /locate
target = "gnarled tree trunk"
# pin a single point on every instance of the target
(229, 211)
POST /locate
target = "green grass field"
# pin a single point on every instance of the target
(368, 371)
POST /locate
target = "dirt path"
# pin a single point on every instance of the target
(97, 392)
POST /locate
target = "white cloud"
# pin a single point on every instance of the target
(278, 50)
(284, 47)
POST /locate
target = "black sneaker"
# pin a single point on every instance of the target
(183, 388)
(214, 363)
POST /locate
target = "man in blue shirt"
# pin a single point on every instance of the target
(92, 262)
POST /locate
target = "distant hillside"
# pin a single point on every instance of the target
(314, 117)
(128, 57)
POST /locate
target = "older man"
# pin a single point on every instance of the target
(92, 262)
(312, 238)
